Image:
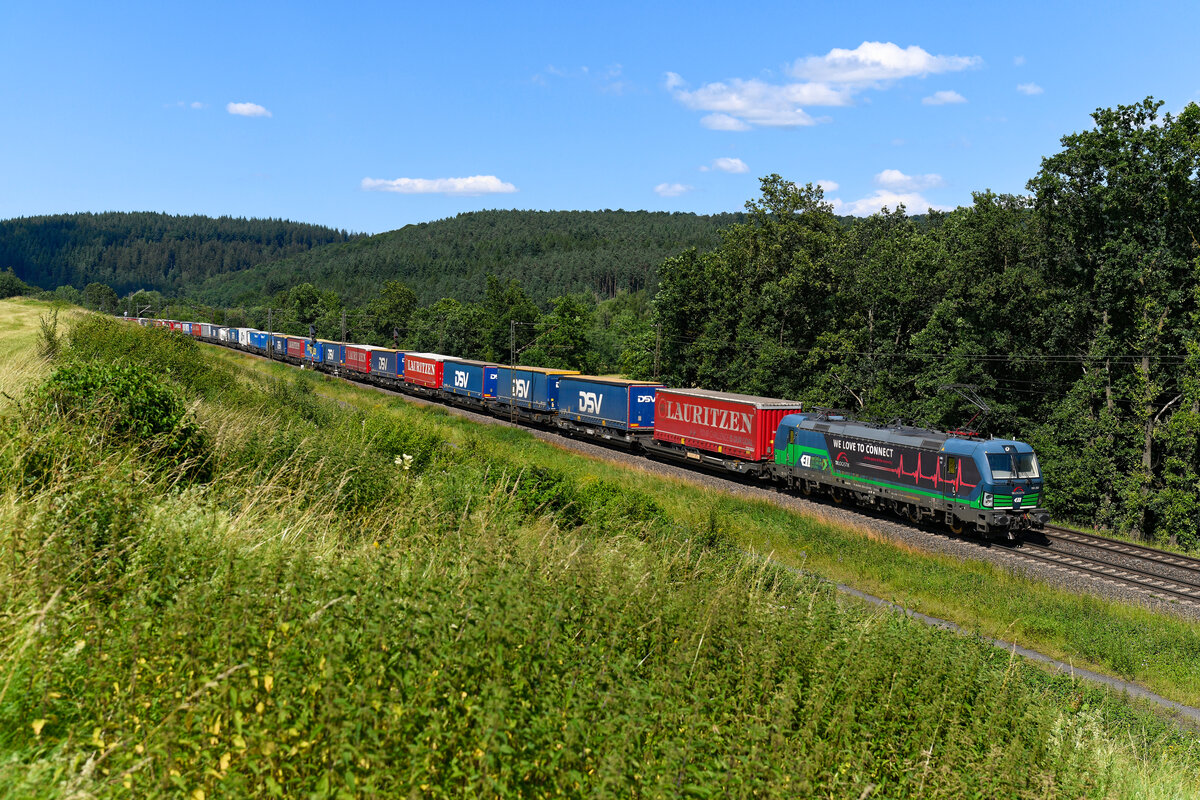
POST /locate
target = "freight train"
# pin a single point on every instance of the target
(991, 487)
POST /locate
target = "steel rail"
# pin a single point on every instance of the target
(1138, 579)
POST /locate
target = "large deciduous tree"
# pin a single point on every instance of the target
(1121, 204)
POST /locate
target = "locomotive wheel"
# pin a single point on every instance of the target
(836, 494)
(956, 526)
(806, 488)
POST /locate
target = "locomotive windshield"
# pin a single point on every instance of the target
(1007, 466)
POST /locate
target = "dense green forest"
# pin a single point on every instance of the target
(240, 262)
(552, 253)
(148, 251)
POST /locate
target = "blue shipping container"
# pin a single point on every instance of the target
(334, 353)
(609, 402)
(534, 388)
(470, 378)
(258, 340)
(385, 361)
(280, 345)
(314, 351)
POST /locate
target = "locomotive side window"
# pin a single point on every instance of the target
(951, 466)
(792, 436)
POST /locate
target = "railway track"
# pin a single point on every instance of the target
(1167, 575)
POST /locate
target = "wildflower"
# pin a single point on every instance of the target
(404, 461)
(38, 724)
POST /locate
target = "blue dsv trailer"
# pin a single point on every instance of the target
(606, 408)
(474, 380)
(530, 391)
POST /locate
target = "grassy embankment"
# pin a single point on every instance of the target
(266, 597)
(1157, 650)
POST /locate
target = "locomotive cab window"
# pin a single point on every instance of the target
(1007, 466)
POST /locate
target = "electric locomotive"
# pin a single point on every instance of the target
(992, 486)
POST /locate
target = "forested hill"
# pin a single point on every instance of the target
(144, 250)
(550, 252)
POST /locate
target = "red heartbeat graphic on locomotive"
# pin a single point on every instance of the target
(860, 457)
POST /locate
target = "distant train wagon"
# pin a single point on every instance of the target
(424, 370)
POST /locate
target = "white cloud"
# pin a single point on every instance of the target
(829, 80)
(913, 203)
(671, 189)
(1029, 88)
(197, 104)
(896, 180)
(735, 165)
(740, 103)
(873, 62)
(829, 186)
(247, 110)
(474, 185)
(943, 98)
(723, 122)
(1018, 61)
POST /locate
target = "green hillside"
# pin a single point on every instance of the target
(550, 252)
(130, 251)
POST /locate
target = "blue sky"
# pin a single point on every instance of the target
(371, 116)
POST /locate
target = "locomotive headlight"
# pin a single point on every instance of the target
(987, 499)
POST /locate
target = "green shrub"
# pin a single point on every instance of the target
(162, 352)
(126, 404)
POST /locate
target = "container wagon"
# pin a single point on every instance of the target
(424, 372)
(358, 358)
(469, 383)
(611, 409)
(528, 393)
(730, 431)
(387, 366)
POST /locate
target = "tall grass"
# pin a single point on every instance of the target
(319, 616)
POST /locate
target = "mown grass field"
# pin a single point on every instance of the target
(224, 579)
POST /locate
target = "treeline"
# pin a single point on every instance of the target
(1074, 313)
(552, 253)
(583, 332)
(130, 251)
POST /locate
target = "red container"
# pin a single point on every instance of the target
(195, 329)
(424, 369)
(295, 347)
(176, 326)
(358, 358)
(735, 425)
